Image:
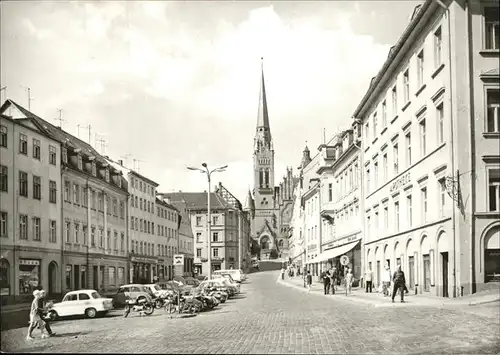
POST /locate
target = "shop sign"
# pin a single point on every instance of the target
(29, 262)
(343, 241)
(138, 259)
(179, 259)
(400, 182)
(4, 291)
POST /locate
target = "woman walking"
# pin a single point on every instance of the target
(35, 318)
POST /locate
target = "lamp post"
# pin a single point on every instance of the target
(209, 172)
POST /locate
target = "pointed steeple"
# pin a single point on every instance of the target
(262, 116)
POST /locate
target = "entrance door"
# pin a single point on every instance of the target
(95, 277)
(444, 268)
(52, 278)
(83, 277)
(378, 273)
(427, 272)
(411, 271)
(76, 272)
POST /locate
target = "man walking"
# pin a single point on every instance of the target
(399, 284)
(309, 280)
(326, 282)
(41, 307)
(282, 273)
(369, 279)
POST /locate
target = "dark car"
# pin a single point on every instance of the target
(132, 291)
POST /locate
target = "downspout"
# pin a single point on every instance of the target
(452, 145)
(15, 202)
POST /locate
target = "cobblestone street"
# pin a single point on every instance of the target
(272, 318)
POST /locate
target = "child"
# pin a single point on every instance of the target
(348, 280)
(309, 280)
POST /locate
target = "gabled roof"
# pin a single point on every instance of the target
(198, 200)
(127, 171)
(55, 132)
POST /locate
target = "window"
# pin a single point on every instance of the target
(215, 236)
(396, 215)
(37, 188)
(384, 167)
(198, 237)
(23, 144)
(423, 201)
(409, 210)
(384, 114)
(493, 107)
(92, 236)
(140, 200)
(106, 175)
(367, 131)
(76, 194)
(492, 28)
(216, 252)
(440, 123)
(386, 217)
(215, 220)
(64, 155)
(395, 152)
(408, 149)
(101, 238)
(66, 190)
(4, 178)
(23, 227)
(368, 225)
(122, 209)
(368, 180)
(375, 125)
(85, 236)
(198, 221)
(115, 240)
(37, 229)
(53, 231)
(100, 201)
(108, 239)
(330, 192)
(438, 47)
(68, 231)
(442, 197)
(115, 206)
(122, 241)
(406, 86)
(423, 140)
(52, 192)
(121, 276)
(77, 233)
(52, 155)
(92, 199)
(375, 174)
(80, 162)
(23, 184)
(36, 149)
(3, 224)
(394, 101)
(94, 169)
(111, 276)
(420, 69)
(85, 197)
(494, 190)
(3, 136)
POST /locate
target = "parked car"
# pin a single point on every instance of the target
(175, 287)
(156, 289)
(82, 302)
(228, 281)
(185, 284)
(236, 274)
(218, 284)
(134, 291)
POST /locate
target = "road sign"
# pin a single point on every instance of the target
(179, 260)
(344, 260)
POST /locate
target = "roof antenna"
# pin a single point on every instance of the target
(29, 97)
(60, 119)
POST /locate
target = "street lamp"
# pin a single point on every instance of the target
(209, 172)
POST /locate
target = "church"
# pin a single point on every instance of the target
(270, 207)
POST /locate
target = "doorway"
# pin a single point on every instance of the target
(95, 277)
(427, 272)
(378, 273)
(83, 274)
(76, 272)
(52, 278)
(444, 268)
(411, 271)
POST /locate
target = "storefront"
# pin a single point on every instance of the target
(144, 269)
(29, 275)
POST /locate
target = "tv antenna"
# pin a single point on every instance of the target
(138, 161)
(4, 88)
(125, 157)
(29, 96)
(60, 119)
(89, 127)
(103, 145)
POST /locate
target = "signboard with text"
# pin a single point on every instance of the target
(179, 260)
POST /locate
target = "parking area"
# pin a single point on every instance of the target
(272, 318)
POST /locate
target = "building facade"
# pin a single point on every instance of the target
(285, 200)
(423, 208)
(30, 205)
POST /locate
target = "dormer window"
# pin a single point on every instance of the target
(119, 180)
(65, 155)
(107, 175)
(94, 169)
(80, 162)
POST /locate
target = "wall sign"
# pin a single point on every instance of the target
(400, 182)
(29, 262)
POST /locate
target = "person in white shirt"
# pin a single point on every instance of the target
(386, 280)
(369, 279)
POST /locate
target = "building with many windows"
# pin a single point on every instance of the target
(430, 151)
(30, 207)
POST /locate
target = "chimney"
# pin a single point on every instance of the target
(120, 162)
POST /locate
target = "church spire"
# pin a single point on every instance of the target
(262, 116)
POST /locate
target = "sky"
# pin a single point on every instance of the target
(175, 84)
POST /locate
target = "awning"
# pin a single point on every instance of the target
(333, 253)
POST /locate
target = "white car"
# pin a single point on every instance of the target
(82, 302)
(156, 289)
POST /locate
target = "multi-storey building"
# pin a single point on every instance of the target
(340, 197)
(173, 238)
(284, 202)
(223, 229)
(435, 95)
(30, 205)
(296, 246)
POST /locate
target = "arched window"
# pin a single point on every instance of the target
(261, 178)
(492, 255)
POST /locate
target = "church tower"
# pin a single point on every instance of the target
(265, 223)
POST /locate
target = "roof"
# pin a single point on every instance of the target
(163, 203)
(56, 133)
(84, 290)
(127, 171)
(198, 200)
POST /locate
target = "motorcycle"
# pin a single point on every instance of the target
(185, 304)
(142, 305)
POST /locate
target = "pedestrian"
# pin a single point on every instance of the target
(386, 280)
(369, 279)
(282, 273)
(333, 278)
(399, 284)
(348, 280)
(326, 281)
(309, 280)
(35, 318)
(42, 306)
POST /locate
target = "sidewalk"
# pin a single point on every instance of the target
(10, 308)
(378, 300)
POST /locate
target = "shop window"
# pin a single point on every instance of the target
(68, 277)
(121, 276)
(29, 275)
(4, 277)
(494, 190)
(111, 276)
